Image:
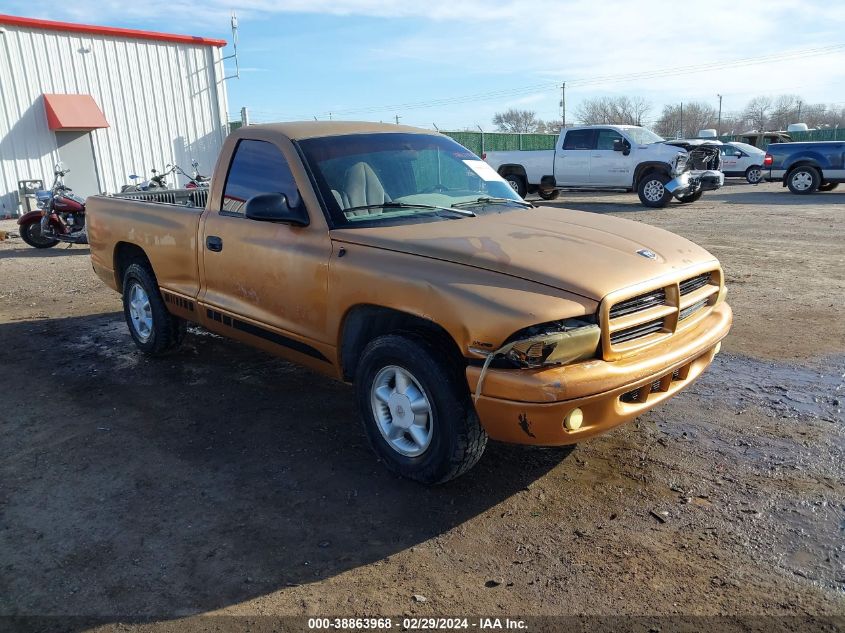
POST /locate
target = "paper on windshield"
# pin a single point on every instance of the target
(483, 170)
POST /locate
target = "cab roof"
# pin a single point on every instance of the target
(299, 130)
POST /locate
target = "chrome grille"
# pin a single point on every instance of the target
(694, 283)
(649, 316)
(636, 332)
(641, 302)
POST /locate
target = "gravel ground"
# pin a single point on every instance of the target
(224, 481)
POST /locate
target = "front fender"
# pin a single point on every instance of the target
(29, 218)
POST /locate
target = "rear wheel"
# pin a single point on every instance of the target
(154, 330)
(803, 180)
(828, 186)
(652, 190)
(554, 194)
(416, 409)
(517, 183)
(754, 174)
(32, 235)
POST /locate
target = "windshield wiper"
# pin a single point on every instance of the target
(489, 200)
(409, 205)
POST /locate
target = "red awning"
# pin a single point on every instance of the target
(73, 112)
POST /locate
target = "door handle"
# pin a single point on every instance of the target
(214, 243)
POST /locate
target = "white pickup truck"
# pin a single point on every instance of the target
(625, 157)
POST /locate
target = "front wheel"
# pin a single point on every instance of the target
(32, 235)
(517, 183)
(754, 174)
(691, 197)
(416, 409)
(652, 190)
(828, 186)
(154, 330)
(803, 180)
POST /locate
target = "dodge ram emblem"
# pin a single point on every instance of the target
(647, 253)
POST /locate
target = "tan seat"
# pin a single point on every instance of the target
(361, 187)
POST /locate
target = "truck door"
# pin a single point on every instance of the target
(609, 168)
(264, 282)
(572, 158)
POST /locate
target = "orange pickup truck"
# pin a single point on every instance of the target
(393, 258)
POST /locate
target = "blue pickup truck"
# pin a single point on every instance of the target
(806, 167)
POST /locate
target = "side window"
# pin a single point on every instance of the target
(257, 167)
(727, 150)
(578, 139)
(605, 138)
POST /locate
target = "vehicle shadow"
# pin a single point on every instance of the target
(163, 487)
(57, 251)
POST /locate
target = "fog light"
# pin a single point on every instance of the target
(718, 348)
(573, 420)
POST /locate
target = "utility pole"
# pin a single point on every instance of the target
(397, 119)
(563, 105)
(799, 112)
(719, 124)
(682, 121)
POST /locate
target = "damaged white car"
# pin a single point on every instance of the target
(615, 157)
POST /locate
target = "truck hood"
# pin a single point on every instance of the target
(584, 253)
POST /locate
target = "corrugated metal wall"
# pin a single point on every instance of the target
(165, 102)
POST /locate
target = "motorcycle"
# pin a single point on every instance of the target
(157, 181)
(61, 217)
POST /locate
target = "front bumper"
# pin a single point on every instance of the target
(525, 406)
(692, 181)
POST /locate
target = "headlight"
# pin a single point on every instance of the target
(554, 343)
(680, 163)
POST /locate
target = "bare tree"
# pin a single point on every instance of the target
(785, 111)
(686, 120)
(514, 120)
(621, 110)
(756, 113)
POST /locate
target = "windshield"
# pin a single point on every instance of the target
(402, 178)
(642, 136)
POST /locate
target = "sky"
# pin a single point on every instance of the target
(455, 63)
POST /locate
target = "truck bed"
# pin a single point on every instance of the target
(166, 231)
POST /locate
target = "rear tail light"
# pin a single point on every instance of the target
(767, 160)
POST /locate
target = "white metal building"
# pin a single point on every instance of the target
(107, 102)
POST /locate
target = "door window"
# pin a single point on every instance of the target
(578, 139)
(605, 138)
(257, 167)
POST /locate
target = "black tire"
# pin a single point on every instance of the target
(554, 194)
(754, 174)
(803, 180)
(31, 234)
(517, 183)
(649, 188)
(166, 331)
(691, 197)
(457, 439)
(828, 186)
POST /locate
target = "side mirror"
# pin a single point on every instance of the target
(618, 145)
(738, 154)
(274, 207)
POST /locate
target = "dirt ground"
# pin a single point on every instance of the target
(224, 481)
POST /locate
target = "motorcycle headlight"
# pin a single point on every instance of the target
(556, 343)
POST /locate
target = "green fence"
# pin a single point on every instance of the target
(480, 142)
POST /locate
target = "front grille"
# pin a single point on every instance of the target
(639, 303)
(694, 283)
(633, 322)
(689, 310)
(661, 385)
(637, 331)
